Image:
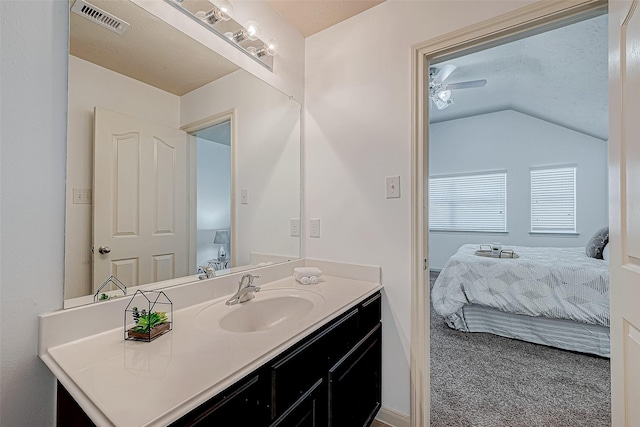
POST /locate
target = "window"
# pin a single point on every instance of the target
(469, 202)
(553, 199)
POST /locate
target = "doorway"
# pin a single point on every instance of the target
(520, 158)
(526, 21)
(213, 186)
(213, 210)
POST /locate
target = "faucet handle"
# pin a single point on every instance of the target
(249, 278)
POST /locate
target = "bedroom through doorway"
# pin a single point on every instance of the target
(518, 229)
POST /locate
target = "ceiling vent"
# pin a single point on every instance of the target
(99, 16)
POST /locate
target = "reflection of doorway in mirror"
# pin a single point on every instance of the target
(213, 148)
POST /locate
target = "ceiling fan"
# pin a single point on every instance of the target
(439, 92)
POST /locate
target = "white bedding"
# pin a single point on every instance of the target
(560, 283)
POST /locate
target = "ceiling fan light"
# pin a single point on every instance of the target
(440, 104)
(444, 95)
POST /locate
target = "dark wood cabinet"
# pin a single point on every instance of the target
(331, 378)
(355, 392)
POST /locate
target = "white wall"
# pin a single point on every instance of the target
(516, 142)
(93, 86)
(214, 196)
(267, 144)
(33, 80)
(358, 131)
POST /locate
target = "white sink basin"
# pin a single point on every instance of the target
(271, 308)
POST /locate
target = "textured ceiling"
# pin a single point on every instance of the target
(312, 16)
(560, 76)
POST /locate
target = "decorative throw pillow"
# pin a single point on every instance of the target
(597, 243)
(605, 253)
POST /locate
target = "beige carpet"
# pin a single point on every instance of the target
(483, 380)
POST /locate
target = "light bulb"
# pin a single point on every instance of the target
(252, 30)
(444, 95)
(270, 47)
(221, 11)
(252, 50)
(226, 9)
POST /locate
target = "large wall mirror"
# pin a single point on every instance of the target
(176, 159)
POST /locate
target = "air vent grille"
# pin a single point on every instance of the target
(99, 16)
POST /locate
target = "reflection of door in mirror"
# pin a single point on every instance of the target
(213, 148)
(140, 200)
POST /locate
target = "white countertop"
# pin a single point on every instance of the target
(129, 383)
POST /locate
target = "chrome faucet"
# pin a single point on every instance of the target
(207, 272)
(245, 291)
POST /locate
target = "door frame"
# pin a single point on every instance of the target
(540, 16)
(229, 115)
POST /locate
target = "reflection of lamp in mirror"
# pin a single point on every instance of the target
(250, 31)
(221, 238)
(268, 49)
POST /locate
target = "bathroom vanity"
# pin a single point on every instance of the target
(294, 355)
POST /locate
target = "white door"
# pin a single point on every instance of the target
(140, 208)
(624, 211)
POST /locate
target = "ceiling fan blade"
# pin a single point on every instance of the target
(467, 85)
(443, 73)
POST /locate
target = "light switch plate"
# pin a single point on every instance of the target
(393, 187)
(295, 227)
(314, 227)
(81, 196)
(244, 197)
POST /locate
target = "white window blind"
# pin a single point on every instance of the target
(469, 202)
(553, 200)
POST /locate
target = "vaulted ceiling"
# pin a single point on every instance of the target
(560, 76)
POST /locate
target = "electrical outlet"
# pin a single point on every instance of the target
(81, 196)
(295, 227)
(244, 197)
(314, 227)
(393, 187)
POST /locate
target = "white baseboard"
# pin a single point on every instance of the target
(393, 418)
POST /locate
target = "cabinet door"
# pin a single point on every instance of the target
(239, 406)
(298, 370)
(308, 411)
(355, 393)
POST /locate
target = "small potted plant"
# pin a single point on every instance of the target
(148, 323)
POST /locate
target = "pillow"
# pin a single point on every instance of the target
(605, 253)
(597, 243)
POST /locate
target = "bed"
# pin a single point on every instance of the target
(552, 296)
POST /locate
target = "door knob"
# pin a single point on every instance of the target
(104, 249)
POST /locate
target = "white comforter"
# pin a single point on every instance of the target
(559, 283)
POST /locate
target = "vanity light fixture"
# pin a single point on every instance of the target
(219, 20)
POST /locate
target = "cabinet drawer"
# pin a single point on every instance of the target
(298, 371)
(370, 313)
(240, 404)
